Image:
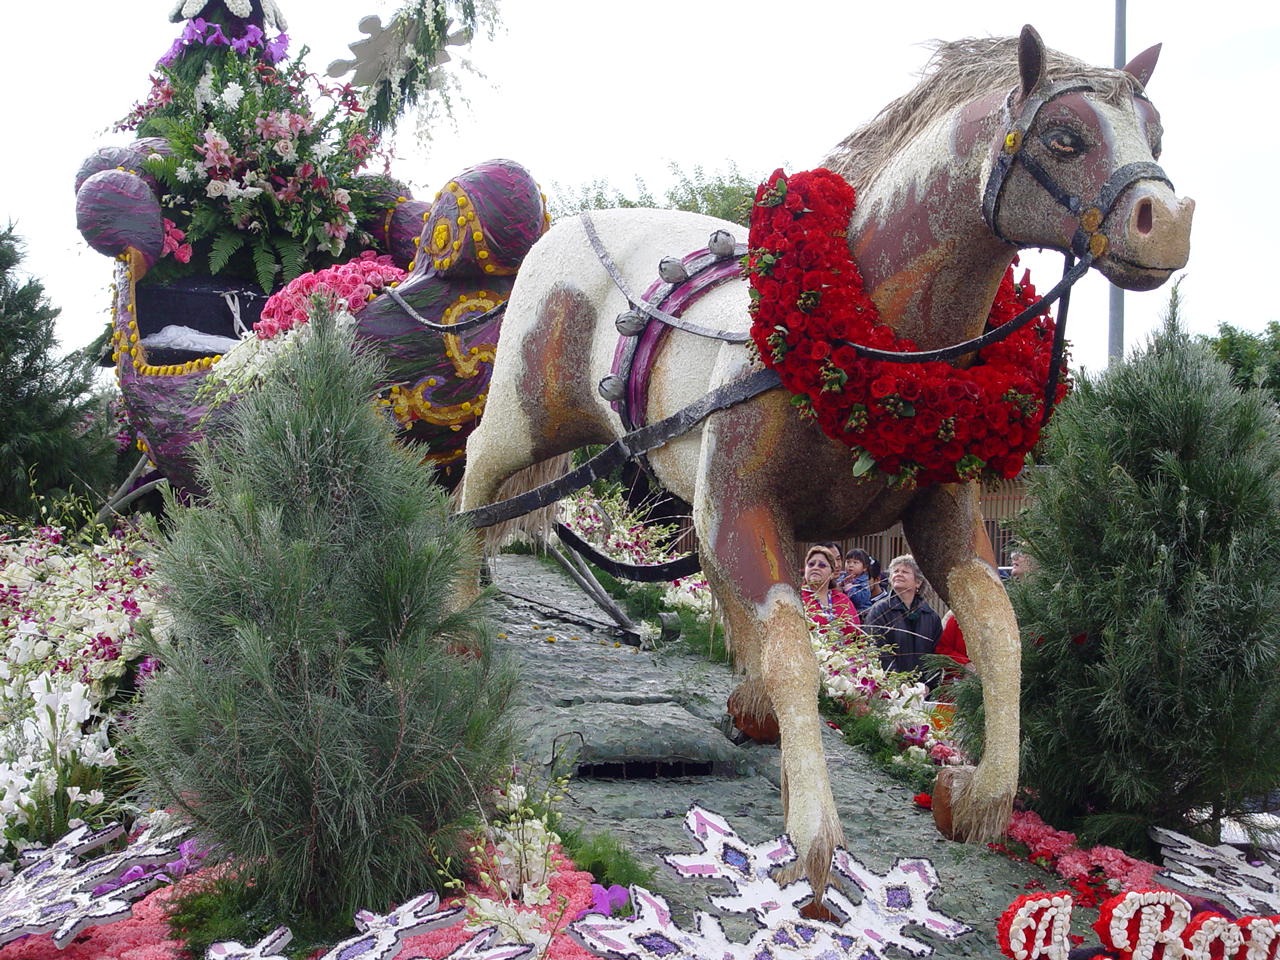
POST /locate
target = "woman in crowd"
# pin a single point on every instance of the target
(823, 601)
(902, 621)
(837, 581)
(857, 579)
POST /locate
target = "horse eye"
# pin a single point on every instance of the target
(1063, 142)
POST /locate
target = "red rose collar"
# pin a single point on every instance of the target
(916, 423)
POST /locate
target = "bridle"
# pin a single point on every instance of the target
(1089, 242)
(1089, 237)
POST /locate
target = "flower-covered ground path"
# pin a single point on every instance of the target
(656, 718)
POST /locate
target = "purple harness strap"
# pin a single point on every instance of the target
(634, 356)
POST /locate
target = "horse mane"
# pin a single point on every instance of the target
(958, 72)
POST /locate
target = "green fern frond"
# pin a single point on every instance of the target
(225, 246)
(264, 264)
(293, 258)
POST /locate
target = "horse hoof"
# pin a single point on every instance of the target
(762, 728)
(945, 788)
(816, 910)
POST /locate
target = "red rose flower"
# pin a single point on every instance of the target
(940, 415)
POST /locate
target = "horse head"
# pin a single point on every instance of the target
(1088, 142)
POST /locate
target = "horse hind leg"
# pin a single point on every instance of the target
(540, 402)
(493, 458)
(749, 704)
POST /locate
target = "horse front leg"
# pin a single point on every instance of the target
(944, 527)
(748, 555)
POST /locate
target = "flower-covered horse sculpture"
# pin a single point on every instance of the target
(1002, 145)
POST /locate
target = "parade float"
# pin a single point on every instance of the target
(868, 327)
(249, 190)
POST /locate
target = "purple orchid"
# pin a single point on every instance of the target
(130, 875)
(194, 30)
(609, 901)
(168, 60)
(145, 669)
(916, 736)
(190, 855)
(252, 37)
(277, 49)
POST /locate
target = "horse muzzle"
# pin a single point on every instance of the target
(1149, 233)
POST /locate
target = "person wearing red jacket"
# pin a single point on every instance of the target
(823, 601)
(951, 642)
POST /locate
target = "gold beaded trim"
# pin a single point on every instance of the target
(124, 337)
(466, 220)
(408, 404)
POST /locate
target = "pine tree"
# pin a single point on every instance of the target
(1151, 630)
(48, 442)
(323, 714)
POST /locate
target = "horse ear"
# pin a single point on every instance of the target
(1141, 66)
(1030, 59)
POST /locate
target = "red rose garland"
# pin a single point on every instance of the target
(917, 423)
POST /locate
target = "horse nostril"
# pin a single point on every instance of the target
(1143, 219)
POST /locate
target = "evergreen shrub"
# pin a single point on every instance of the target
(54, 437)
(323, 713)
(1151, 628)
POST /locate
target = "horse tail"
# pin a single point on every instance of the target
(538, 525)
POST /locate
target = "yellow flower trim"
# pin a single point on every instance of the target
(124, 337)
(468, 365)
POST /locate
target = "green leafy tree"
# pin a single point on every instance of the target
(727, 195)
(1254, 358)
(52, 440)
(324, 714)
(1151, 629)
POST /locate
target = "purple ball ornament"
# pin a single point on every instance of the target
(484, 221)
(116, 210)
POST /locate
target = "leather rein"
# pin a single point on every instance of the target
(1089, 243)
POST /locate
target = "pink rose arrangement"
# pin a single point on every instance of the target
(350, 285)
(1093, 873)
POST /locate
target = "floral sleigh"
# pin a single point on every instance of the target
(250, 188)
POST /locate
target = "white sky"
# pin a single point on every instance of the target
(577, 91)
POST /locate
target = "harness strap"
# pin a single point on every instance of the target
(1013, 144)
(1059, 346)
(625, 448)
(1125, 177)
(649, 310)
(684, 566)
(458, 327)
(995, 335)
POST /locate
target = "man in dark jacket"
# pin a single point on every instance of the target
(901, 620)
